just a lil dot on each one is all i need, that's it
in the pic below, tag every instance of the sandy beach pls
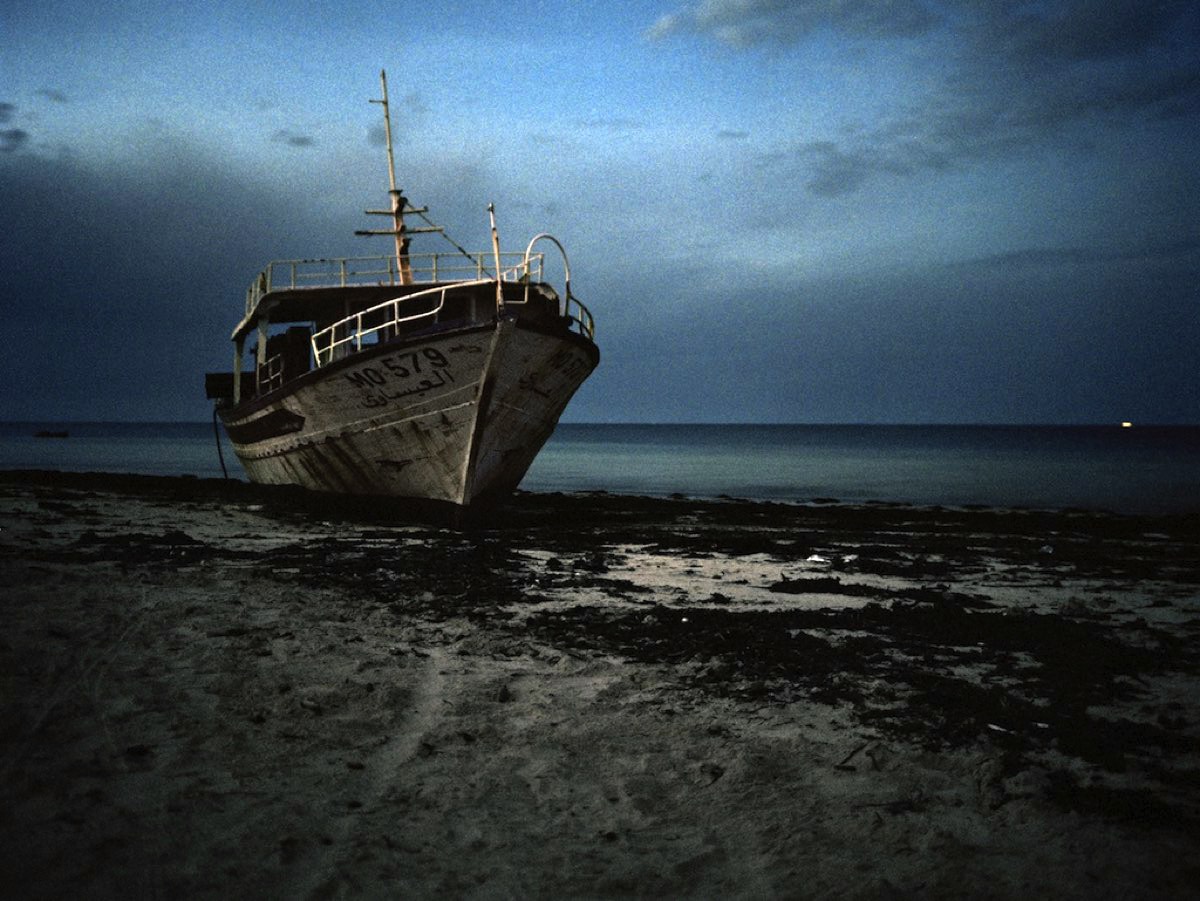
(211, 690)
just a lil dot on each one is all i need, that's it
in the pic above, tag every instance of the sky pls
(825, 211)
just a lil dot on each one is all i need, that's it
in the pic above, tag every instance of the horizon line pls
(695, 423)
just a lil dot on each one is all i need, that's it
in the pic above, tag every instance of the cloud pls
(835, 171)
(156, 276)
(414, 104)
(924, 345)
(748, 23)
(292, 139)
(406, 113)
(6, 112)
(727, 134)
(1081, 29)
(1014, 76)
(832, 169)
(13, 139)
(1183, 250)
(51, 94)
(1158, 95)
(1074, 30)
(1045, 67)
(614, 123)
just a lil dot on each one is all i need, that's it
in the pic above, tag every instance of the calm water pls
(1143, 469)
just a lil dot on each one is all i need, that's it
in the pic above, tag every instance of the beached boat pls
(433, 377)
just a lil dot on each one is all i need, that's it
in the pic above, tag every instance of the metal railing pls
(376, 322)
(379, 318)
(340, 272)
(270, 374)
(579, 318)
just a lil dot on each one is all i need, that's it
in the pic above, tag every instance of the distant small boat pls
(432, 377)
(47, 433)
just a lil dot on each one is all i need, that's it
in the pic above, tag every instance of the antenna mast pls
(399, 206)
(396, 195)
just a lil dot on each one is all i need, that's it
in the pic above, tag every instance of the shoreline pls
(233, 488)
(212, 688)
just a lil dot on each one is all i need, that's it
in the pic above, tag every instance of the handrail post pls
(496, 254)
(566, 264)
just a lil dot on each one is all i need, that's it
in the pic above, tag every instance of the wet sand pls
(211, 690)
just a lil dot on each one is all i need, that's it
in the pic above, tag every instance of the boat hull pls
(452, 418)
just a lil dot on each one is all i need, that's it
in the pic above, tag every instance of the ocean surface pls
(1144, 469)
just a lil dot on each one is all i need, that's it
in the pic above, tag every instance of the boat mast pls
(396, 195)
(399, 205)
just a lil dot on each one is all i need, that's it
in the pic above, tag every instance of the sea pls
(1139, 469)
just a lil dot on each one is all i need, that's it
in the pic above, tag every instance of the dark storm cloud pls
(292, 139)
(746, 23)
(1052, 333)
(835, 171)
(1004, 340)
(1080, 30)
(1016, 76)
(1116, 62)
(1076, 30)
(130, 282)
(1185, 250)
(53, 95)
(969, 129)
(13, 139)
(1163, 95)
(951, 138)
(979, 126)
(832, 169)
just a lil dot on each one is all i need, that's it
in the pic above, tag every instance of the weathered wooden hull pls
(453, 418)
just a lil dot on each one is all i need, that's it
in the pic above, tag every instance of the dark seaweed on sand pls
(928, 663)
